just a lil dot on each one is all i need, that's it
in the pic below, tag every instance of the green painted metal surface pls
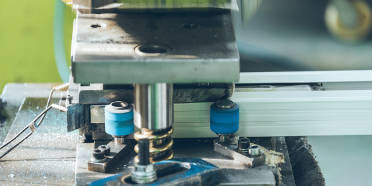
(26, 41)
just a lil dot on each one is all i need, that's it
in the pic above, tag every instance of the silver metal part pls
(99, 94)
(114, 156)
(104, 48)
(225, 104)
(225, 151)
(106, 6)
(254, 150)
(287, 111)
(119, 140)
(142, 174)
(153, 106)
(97, 114)
(118, 107)
(305, 77)
(261, 176)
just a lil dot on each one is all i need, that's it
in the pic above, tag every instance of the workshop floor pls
(344, 160)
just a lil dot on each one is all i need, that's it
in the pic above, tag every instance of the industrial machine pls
(168, 93)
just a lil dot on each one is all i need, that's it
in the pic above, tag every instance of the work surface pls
(48, 157)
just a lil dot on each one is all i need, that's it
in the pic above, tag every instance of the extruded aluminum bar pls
(305, 77)
(286, 113)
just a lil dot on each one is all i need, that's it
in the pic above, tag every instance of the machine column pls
(153, 114)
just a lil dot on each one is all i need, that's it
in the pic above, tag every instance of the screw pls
(143, 171)
(143, 152)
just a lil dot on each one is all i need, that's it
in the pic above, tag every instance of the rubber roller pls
(224, 117)
(119, 119)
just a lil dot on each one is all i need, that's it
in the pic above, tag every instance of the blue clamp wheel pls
(119, 119)
(224, 117)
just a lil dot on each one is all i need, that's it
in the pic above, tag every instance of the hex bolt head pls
(105, 149)
(98, 154)
(254, 150)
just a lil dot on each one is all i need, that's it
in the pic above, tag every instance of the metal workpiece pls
(155, 47)
(153, 106)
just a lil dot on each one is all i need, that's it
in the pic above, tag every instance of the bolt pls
(98, 154)
(254, 150)
(143, 152)
(143, 171)
(105, 149)
(244, 145)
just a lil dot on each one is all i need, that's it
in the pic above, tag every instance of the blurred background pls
(26, 40)
(285, 35)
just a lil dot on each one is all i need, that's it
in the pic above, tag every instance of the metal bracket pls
(120, 154)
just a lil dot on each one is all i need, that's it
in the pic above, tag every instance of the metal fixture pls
(98, 155)
(107, 158)
(110, 51)
(105, 149)
(153, 106)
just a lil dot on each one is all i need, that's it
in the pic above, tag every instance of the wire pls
(39, 117)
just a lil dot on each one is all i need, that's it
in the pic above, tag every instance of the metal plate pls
(141, 5)
(42, 158)
(176, 48)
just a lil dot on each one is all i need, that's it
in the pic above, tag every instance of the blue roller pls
(224, 117)
(119, 119)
